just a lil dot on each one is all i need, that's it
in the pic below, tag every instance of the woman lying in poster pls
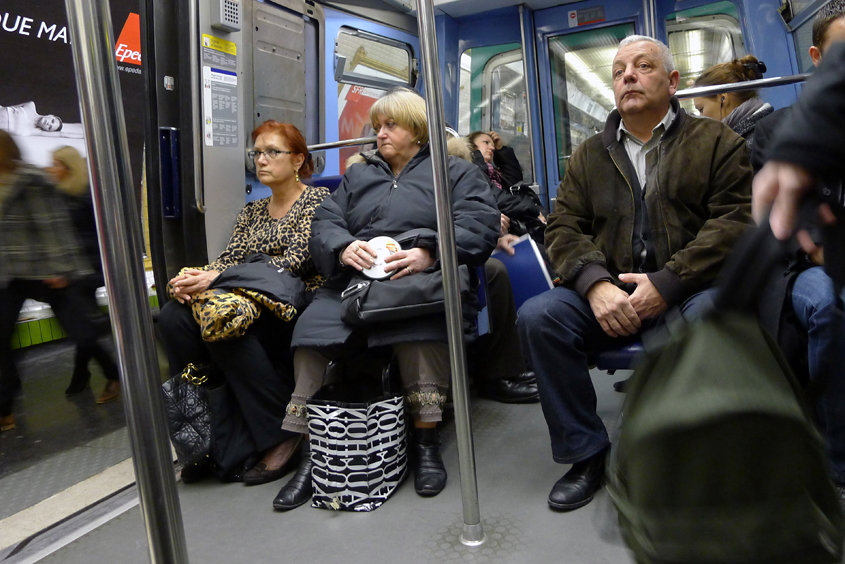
(24, 119)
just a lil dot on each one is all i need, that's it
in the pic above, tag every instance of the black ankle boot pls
(429, 471)
(79, 380)
(298, 490)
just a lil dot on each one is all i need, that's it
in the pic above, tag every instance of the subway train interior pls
(537, 72)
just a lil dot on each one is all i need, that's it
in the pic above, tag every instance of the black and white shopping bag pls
(359, 448)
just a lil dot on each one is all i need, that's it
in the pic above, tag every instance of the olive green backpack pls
(718, 460)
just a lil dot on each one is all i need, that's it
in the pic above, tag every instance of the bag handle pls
(749, 268)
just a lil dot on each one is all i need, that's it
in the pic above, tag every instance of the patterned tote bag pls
(358, 445)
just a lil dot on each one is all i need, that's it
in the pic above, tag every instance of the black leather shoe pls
(298, 489)
(526, 377)
(259, 474)
(511, 390)
(577, 487)
(429, 471)
(196, 472)
(79, 381)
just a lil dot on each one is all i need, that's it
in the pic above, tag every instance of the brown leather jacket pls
(698, 202)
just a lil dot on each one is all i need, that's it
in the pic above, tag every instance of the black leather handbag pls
(365, 302)
(188, 414)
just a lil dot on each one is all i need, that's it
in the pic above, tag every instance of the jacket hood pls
(612, 124)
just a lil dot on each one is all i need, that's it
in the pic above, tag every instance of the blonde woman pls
(390, 193)
(70, 171)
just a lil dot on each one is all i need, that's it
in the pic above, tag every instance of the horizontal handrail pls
(740, 86)
(344, 143)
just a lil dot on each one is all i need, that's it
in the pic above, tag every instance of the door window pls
(702, 37)
(582, 85)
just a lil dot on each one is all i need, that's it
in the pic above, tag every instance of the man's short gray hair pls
(665, 53)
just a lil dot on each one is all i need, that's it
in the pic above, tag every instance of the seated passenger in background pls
(807, 321)
(502, 169)
(685, 210)
(257, 366)
(41, 257)
(741, 111)
(496, 363)
(390, 193)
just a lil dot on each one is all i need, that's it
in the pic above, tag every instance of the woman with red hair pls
(257, 366)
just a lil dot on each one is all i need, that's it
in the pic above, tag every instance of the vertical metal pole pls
(473, 534)
(196, 101)
(118, 226)
(647, 19)
(528, 101)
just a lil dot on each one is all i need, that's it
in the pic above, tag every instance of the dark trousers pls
(84, 354)
(560, 335)
(497, 355)
(77, 312)
(258, 367)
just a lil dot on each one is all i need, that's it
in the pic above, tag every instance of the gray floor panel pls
(234, 523)
(59, 472)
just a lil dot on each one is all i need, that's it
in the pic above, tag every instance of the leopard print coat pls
(284, 239)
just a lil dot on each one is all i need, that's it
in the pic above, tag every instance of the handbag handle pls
(334, 373)
(749, 268)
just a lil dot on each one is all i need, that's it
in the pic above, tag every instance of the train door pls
(575, 50)
(492, 90)
(717, 32)
(365, 60)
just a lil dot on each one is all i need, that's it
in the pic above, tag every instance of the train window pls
(493, 97)
(582, 85)
(702, 37)
(366, 66)
(370, 60)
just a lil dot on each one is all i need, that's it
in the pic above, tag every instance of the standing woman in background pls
(40, 258)
(70, 172)
(738, 110)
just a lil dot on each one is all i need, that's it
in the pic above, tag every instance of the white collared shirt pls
(637, 150)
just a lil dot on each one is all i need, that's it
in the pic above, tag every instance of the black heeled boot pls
(79, 380)
(429, 471)
(298, 489)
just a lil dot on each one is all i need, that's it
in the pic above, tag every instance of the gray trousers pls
(423, 366)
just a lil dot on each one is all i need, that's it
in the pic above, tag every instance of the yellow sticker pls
(218, 44)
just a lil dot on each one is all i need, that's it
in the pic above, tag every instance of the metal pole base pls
(473, 535)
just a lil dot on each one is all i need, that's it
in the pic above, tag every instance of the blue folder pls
(526, 269)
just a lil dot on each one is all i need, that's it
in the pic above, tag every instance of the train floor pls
(63, 443)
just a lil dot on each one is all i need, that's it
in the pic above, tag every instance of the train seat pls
(620, 358)
(330, 182)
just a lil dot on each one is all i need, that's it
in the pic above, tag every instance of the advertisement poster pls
(39, 104)
(354, 103)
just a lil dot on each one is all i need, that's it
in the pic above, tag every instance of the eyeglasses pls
(270, 153)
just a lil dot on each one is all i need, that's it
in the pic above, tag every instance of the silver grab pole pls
(740, 86)
(196, 102)
(528, 103)
(473, 534)
(344, 143)
(119, 232)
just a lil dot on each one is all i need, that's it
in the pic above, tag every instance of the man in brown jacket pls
(644, 218)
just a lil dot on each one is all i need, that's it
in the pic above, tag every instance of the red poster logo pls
(128, 48)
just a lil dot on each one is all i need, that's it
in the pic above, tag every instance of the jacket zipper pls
(630, 189)
(660, 201)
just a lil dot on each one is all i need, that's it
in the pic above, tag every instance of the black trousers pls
(75, 309)
(258, 367)
(498, 355)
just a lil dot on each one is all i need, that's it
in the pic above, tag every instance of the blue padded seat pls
(330, 182)
(621, 358)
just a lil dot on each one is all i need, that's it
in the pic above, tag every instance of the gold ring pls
(408, 268)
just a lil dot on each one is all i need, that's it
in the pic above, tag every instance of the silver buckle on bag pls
(354, 289)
